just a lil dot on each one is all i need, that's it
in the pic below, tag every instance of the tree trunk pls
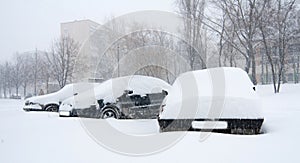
(17, 90)
(25, 89)
(253, 63)
(284, 79)
(274, 78)
(267, 74)
(254, 70)
(268, 53)
(0, 91)
(294, 69)
(262, 78)
(297, 69)
(247, 67)
(9, 91)
(47, 85)
(4, 91)
(279, 82)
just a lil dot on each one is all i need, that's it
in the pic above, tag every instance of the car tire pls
(26, 110)
(51, 108)
(110, 112)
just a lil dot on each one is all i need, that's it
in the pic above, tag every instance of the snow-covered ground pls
(44, 137)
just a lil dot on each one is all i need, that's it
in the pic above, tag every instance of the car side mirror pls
(165, 92)
(100, 103)
(254, 88)
(75, 94)
(130, 92)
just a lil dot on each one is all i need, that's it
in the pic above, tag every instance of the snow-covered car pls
(219, 99)
(133, 96)
(51, 102)
(133, 106)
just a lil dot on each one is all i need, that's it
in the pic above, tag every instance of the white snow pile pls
(212, 93)
(111, 89)
(137, 127)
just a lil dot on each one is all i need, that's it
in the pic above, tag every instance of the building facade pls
(81, 31)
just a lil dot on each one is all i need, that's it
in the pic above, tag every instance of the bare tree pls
(244, 16)
(17, 72)
(276, 28)
(192, 12)
(61, 60)
(44, 72)
(151, 50)
(35, 71)
(266, 31)
(26, 71)
(284, 34)
(228, 46)
(7, 82)
(221, 38)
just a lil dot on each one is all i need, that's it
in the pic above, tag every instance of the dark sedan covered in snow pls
(132, 97)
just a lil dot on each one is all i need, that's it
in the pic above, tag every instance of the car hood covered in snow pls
(212, 93)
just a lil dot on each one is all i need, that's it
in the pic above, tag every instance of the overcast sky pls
(30, 24)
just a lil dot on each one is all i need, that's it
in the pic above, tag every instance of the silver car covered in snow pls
(51, 102)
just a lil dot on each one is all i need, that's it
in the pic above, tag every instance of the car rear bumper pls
(230, 126)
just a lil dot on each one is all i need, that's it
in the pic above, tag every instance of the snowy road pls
(31, 137)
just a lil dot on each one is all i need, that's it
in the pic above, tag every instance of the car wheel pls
(52, 108)
(109, 113)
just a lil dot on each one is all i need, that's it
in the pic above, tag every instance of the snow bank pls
(212, 93)
(139, 127)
